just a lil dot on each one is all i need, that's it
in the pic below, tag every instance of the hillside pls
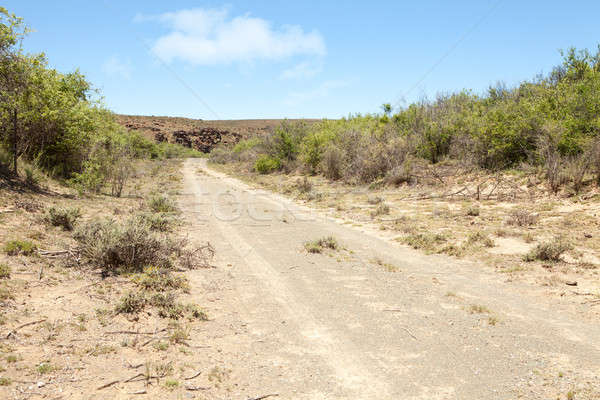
(199, 134)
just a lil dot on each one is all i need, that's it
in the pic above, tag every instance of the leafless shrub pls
(130, 246)
(521, 217)
(333, 163)
(304, 185)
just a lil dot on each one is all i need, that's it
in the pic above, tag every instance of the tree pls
(15, 70)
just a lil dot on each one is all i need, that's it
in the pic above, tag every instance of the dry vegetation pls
(94, 292)
(509, 222)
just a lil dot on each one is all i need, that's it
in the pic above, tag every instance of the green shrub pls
(158, 279)
(157, 221)
(424, 241)
(16, 247)
(162, 204)
(266, 164)
(63, 217)
(130, 303)
(245, 145)
(4, 271)
(130, 246)
(549, 251)
(317, 246)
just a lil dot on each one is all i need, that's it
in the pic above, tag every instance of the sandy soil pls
(375, 320)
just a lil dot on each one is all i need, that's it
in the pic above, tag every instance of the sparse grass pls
(4, 271)
(387, 266)
(161, 346)
(5, 381)
(6, 293)
(16, 247)
(493, 321)
(473, 211)
(478, 309)
(171, 384)
(549, 251)
(11, 358)
(166, 304)
(100, 350)
(317, 246)
(63, 217)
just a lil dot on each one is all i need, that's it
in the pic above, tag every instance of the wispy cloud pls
(212, 36)
(304, 70)
(115, 67)
(323, 90)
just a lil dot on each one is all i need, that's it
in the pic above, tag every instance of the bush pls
(549, 251)
(480, 238)
(382, 209)
(158, 279)
(63, 217)
(130, 303)
(319, 245)
(304, 185)
(4, 271)
(521, 217)
(162, 204)
(157, 221)
(118, 247)
(267, 164)
(16, 247)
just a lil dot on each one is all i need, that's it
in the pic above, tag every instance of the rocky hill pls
(199, 134)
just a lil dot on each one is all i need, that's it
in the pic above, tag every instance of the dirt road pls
(375, 320)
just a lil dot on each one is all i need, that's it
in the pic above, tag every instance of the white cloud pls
(114, 67)
(209, 37)
(303, 70)
(321, 91)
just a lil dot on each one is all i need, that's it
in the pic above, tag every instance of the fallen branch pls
(264, 397)
(133, 377)
(134, 332)
(107, 385)
(23, 326)
(194, 376)
(196, 388)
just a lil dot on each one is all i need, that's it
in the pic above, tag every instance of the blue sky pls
(272, 59)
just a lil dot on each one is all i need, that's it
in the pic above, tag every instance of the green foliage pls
(245, 145)
(63, 217)
(266, 164)
(551, 122)
(16, 247)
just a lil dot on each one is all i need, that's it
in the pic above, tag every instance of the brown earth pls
(202, 135)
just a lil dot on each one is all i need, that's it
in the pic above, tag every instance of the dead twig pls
(194, 376)
(196, 388)
(134, 332)
(133, 377)
(107, 385)
(264, 397)
(12, 332)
